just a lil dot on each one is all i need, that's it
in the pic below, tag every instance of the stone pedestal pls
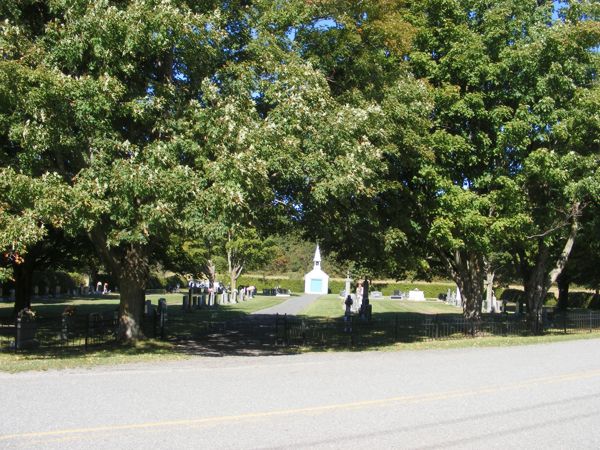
(148, 308)
(25, 337)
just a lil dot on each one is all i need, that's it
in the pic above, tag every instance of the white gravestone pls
(416, 295)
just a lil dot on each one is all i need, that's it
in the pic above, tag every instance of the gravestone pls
(57, 290)
(347, 287)
(185, 303)
(396, 295)
(211, 298)
(25, 337)
(162, 315)
(365, 306)
(416, 295)
(67, 327)
(242, 291)
(234, 295)
(12, 295)
(162, 308)
(376, 294)
(495, 304)
(36, 291)
(148, 309)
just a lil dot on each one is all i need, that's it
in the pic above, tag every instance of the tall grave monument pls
(316, 281)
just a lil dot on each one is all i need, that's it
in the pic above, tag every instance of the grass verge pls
(146, 351)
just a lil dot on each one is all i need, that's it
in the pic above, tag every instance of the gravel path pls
(291, 307)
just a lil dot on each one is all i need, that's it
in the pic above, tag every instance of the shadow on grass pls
(232, 330)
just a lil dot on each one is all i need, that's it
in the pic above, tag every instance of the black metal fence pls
(393, 328)
(82, 333)
(76, 332)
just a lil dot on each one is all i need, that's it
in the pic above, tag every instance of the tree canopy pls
(408, 138)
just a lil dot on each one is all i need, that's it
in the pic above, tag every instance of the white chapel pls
(316, 281)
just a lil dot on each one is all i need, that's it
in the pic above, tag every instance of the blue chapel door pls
(315, 285)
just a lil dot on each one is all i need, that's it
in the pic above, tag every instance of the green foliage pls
(518, 295)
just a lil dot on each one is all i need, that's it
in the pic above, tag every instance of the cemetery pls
(77, 325)
(232, 161)
(363, 315)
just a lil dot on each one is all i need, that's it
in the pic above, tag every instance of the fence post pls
(565, 321)
(303, 329)
(154, 323)
(396, 327)
(437, 330)
(87, 333)
(285, 330)
(590, 321)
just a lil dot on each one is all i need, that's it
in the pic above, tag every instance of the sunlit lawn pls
(407, 306)
(326, 306)
(332, 306)
(87, 305)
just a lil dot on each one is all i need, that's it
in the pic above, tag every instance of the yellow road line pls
(408, 399)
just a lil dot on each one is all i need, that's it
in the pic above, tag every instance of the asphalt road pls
(543, 396)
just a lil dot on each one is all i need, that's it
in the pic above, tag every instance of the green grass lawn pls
(405, 306)
(87, 305)
(326, 306)
(147, 351)
(331, 306)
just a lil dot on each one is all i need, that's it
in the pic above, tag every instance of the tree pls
(555, 151)
(505, 80)
(165, 118)
(245, 251)
(361, 47)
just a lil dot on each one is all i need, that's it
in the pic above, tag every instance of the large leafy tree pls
(170, 117)
(553, 135)
(361, 47)
(92, 93)
(505, 80)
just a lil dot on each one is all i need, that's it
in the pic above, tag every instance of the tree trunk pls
(23, 274)
(235, 270)
(489, 290)
(130, 265)
(234, 274)
(468, 272)
(540, 280)
(563, 282)
(132, 284)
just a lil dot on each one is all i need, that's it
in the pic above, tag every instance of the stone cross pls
(347, 286)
